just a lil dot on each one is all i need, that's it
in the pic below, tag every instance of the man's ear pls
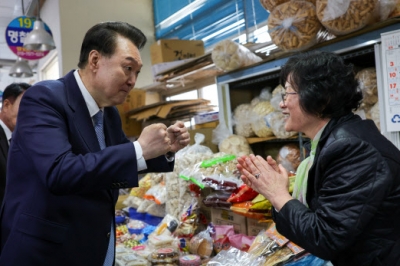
(94, 58)
(6, 104)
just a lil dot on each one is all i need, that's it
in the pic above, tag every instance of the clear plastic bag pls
(219, 173)
(289, 157)
(259, 111)
(294, 26)
(276, 121)
(241, 120)
(345, 16)
(234, 257)
(178, 192)
(229, 55)
(368, 85)
(230, 143)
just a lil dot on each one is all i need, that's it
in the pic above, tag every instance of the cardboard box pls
(135, 99)
(162, 67)
(212, 125)
(226, 217)
(131, 128)
(165, 109)
(254, 227)
(169, 50)
(206, 117)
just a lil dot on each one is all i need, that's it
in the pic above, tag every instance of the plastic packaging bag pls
(241, 194)
(289, 157)
(178, 192)
(345, 16)
(157, 193)
(229, 55)
(259, 111)
(276, 121)
(368, 85)
(242, 120)
(294, 25)
(235, 257)
(230, 143)
(218, 199)
(201, 244)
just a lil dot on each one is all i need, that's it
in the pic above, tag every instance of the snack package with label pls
(221, 237)
(228, 55)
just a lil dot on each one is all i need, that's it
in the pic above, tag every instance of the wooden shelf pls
(253, 140)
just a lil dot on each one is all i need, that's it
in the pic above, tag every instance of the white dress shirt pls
(7, 131)
(94, 108)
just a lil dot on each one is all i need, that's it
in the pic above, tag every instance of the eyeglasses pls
(284, 95)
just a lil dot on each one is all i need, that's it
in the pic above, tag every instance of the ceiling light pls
(39, 39)
(21, 69)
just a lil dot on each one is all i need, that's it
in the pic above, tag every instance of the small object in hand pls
(257, 175)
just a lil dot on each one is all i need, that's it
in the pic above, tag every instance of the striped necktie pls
(99, 128)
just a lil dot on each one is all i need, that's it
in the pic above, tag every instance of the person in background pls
(345, 203)
(12, 95)
(69, 156)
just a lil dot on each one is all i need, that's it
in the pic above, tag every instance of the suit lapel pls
(81, 116)
(3, 143)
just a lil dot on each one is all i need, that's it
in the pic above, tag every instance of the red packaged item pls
(241, 241)
(221, 237)
(243, 193)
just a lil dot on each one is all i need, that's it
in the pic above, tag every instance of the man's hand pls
(179, 136)
(154, 141)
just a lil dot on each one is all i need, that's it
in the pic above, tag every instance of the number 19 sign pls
(16, 32)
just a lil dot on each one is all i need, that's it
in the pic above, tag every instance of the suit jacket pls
(353, 195)
(59, 201)
(3, 162)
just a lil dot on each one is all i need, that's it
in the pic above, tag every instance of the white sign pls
(391, 78)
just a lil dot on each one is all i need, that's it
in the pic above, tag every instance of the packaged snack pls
(228, 55)
(294, 25)
(346, 17)
(221, 237)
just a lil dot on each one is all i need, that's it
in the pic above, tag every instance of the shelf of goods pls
(361, 48)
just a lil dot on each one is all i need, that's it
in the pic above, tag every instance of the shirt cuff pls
(141, 162)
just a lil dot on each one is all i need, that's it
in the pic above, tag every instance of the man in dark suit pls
(12, 95)
(66, 164)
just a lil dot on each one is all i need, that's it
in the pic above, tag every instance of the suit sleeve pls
(354, 183)
(50, 141)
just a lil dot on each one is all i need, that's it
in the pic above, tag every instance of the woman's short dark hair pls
(102, 38)
(326, 85)
(12, 91)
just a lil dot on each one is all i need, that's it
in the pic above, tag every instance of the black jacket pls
(353, 196)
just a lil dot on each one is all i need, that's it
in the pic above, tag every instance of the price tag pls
(391, 78)
(16, 32)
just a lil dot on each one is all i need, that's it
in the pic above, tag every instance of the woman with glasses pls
(345, 206)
